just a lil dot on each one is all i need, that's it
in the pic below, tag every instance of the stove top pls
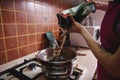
(32, 70)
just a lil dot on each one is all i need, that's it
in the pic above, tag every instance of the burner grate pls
(75, 76)
(19, 73)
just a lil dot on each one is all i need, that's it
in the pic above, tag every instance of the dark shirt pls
(110, 37)
(117, 1)
(117, 24)
(117, 28)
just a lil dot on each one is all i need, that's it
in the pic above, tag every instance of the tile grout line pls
(27, 29)
(6, 57)
(16, 28)
(35, 25)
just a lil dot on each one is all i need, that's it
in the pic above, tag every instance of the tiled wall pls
(23, 24)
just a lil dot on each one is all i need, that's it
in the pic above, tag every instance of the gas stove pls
(31, 70)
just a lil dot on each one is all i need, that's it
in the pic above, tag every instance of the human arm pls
(110, 62)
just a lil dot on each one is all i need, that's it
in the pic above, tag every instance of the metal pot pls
(57, 69)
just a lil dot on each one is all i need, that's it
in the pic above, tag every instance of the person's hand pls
(88, 0)
(77, 27)
(96, 3)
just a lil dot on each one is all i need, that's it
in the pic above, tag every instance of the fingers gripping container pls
(79, 13)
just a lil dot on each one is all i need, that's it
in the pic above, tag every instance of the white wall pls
(97, 17)
(78, 40)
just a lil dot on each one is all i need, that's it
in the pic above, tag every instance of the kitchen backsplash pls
(23, 24)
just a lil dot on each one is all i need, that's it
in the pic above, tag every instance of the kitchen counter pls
(85, 62)
(88, 63)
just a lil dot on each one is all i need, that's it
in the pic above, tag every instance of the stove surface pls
(31, 70)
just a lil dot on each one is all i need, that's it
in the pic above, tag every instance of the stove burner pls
(31, 66)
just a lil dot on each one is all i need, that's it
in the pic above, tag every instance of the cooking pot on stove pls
(57, 69)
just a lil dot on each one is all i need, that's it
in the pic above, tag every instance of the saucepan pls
(57, 69)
